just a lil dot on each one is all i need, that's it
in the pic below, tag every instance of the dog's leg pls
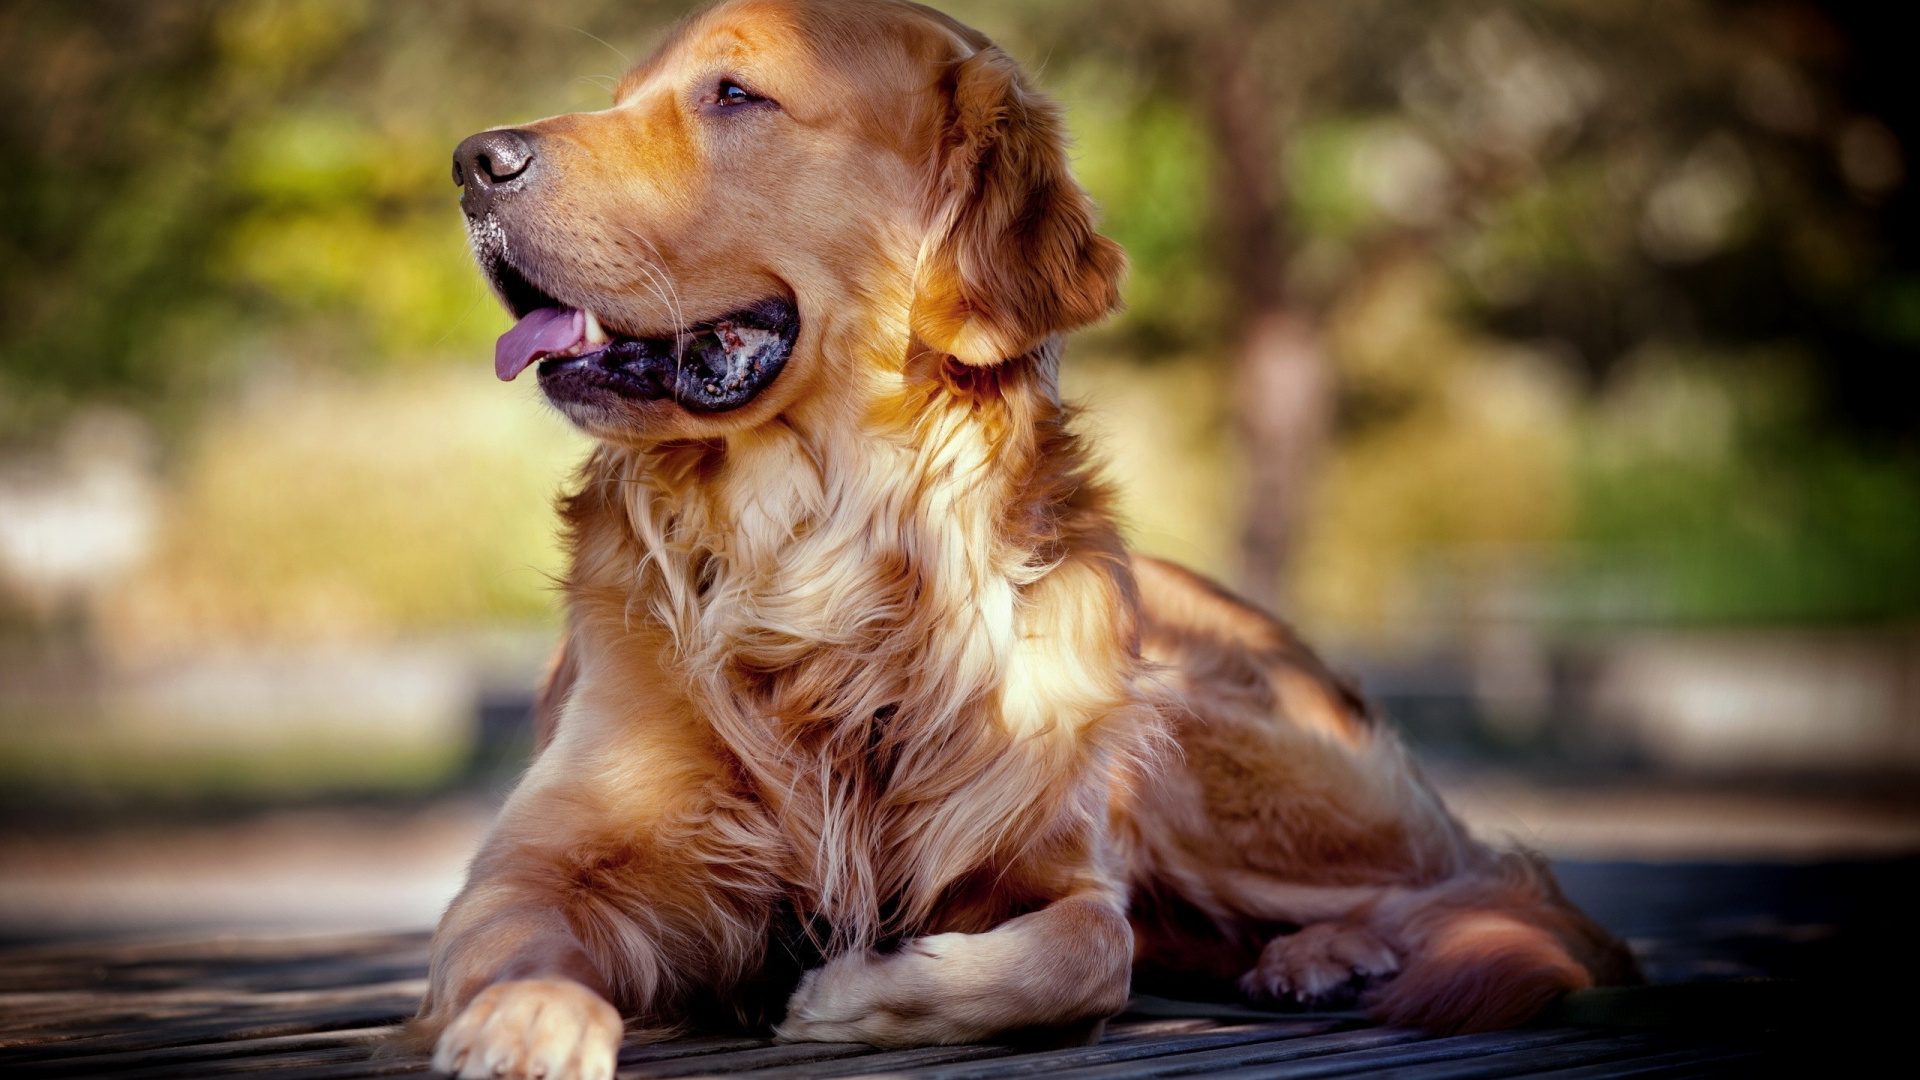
(1487, 948)
(1334, 951)
(1318, 962)
(533, 956)
(514, 994)
(556, 927)
(1056, 973)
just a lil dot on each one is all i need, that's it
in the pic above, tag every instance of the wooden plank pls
(109, 1002)
(1209, 1061)
(1052, 1062)
(252, 1026)
(1712, 1061)
(270, 1052)
(207, 961)
(29, 1012)
(100, 1064)
(356, 1070)
(1147, 1005)
(210, 1025)
(217, 947)
(1429, 1053)
(888, 1060)
(892, 1061)
(71, 1035)
(1521, 1062)
(252, 1066)
(742, 1060)
(1122, 1031)
(679, 1048)
(34, 1027)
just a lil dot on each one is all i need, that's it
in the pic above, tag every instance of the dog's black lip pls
(653, 368)
(681, 367)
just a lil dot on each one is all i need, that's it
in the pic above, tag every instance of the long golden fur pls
(859, 678)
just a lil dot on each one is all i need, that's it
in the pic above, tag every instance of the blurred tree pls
(112, 196)
(1599, 181)
(214, 210)
(197, 187)
(1241, 71)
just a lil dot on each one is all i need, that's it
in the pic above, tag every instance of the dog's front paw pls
(532, 1029)
(1318, 961)
(887, 999)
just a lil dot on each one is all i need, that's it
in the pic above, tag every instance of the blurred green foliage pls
(1687, 231)
(1637, 284)
(202, 187)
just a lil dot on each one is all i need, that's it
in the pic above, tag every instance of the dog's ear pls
(1012, 256)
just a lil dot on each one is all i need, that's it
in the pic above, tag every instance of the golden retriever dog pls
(866, 724)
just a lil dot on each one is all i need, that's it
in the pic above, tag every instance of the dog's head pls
(785, 202)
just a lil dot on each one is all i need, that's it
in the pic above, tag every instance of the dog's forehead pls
(739, 44)
(854, 43)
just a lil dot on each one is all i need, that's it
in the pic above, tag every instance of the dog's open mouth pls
(712, 366)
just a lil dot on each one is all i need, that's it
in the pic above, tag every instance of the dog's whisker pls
(624, 58)
(661, 284)
(657, 265)
(672, 300)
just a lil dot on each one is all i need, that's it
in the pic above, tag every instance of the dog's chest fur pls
(853, 618)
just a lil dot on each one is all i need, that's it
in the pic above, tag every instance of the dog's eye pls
(732, 93)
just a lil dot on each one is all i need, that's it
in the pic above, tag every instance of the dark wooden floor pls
(314, 1008)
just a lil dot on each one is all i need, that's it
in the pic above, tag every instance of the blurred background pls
(1551, 364)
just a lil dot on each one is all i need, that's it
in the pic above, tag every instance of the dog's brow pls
(669, 39)
(725, 41)
(635, 77)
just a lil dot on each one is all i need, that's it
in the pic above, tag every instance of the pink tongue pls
(542, 333)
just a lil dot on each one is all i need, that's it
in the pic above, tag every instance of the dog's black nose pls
(486, 161)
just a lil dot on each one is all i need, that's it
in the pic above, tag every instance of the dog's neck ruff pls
(844, 607)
